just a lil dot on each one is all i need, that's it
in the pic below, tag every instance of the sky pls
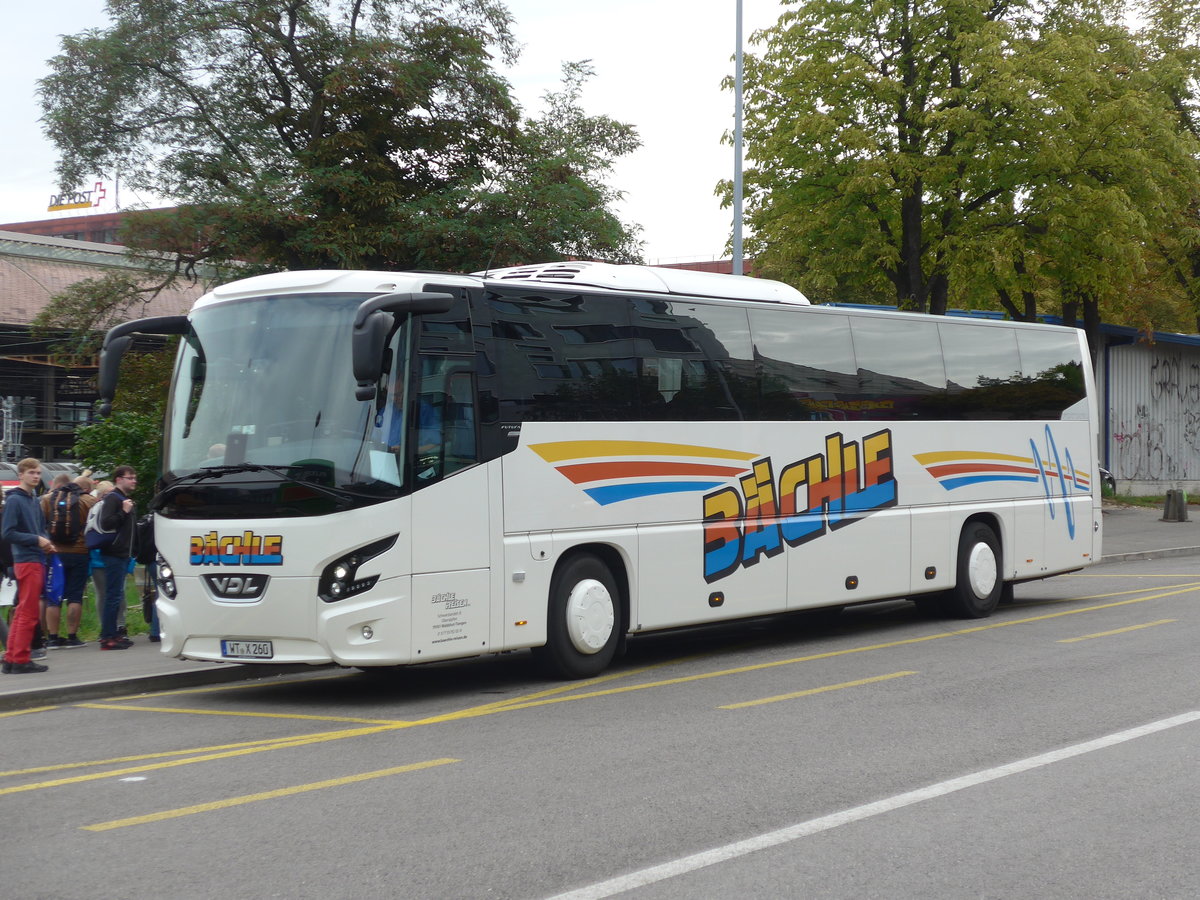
(659, 66)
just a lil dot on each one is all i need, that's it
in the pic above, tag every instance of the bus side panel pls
(676, 592)
(450, 615)
(525, 581)
(932, 550)
(1025, 547)
(451, 524)
(451, 557)
(857, 558)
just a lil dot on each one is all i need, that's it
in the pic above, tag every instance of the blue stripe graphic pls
(952, 483)
(615, 493)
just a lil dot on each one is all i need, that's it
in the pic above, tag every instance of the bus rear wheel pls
(584, 622)
(980, 581)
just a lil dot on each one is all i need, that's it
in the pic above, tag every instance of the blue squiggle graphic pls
(1052, 451)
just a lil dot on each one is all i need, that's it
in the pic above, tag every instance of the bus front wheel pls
(584, 619)
(980, 581)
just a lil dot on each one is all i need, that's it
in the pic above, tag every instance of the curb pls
(1151, 554)
(94, 690)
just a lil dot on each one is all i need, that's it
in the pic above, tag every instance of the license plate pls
(247, 649)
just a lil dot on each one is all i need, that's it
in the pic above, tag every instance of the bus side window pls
(458, 422)
(445, 433)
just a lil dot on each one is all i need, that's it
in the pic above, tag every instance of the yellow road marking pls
(21, 712)
(1190, 584)
(1147, 575)
(255, 715)
(820, 690)
(831, 654)
(1099, 634)
(204, 757)
(551, 696)
(264, 795)
(162, 754)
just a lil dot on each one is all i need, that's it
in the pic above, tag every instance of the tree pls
(878, 133)
(1105, 171)
(334, 133)
(127, 438)
(1171, 37)
(133, 435)
(962, 150)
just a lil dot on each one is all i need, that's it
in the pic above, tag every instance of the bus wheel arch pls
(587, 611)
(979, 576)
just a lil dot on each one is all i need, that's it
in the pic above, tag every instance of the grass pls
(89, 621)
(1154, 502)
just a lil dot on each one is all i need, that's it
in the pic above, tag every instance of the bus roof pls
(585, 275)
(649, 279)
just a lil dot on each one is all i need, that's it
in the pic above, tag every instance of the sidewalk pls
(1138, 532)
(87, 673)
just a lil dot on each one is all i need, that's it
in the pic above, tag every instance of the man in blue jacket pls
(117, 517)
(24, 527)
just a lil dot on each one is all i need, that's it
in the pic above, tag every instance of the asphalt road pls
(1052, 750)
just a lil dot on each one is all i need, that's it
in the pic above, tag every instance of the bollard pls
(1175, 507)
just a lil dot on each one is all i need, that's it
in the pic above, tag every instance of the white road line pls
(716, 855)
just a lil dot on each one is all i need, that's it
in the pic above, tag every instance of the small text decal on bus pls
(823, 492)
(245, 549)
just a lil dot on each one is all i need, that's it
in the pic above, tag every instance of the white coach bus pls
(377, 468)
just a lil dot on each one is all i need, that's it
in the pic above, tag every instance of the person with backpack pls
(66, 508)
(111, 530)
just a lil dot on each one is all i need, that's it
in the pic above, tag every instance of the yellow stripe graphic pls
(557, 451)
(958, 456)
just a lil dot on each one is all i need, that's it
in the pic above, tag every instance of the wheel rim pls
(590, 616)
(982, 570)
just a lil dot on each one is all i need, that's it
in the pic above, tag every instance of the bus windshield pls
(266, 386)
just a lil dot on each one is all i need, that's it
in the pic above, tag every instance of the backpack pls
(65, 521)
(94, 536)
(143, 540)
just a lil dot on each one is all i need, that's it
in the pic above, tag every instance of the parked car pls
(1107, 480)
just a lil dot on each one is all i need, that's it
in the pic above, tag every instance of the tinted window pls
(983, 371)
(1052, 369)
(806, 364)
(697, 361)
(900, 369)
(563, 357)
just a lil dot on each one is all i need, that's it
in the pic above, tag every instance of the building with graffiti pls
(1150, 417)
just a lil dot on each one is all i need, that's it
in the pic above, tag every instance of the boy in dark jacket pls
(117, 517)
(24, 527)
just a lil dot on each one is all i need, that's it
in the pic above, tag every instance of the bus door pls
(451, 528)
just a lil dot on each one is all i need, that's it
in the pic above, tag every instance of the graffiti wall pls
(1153, 417)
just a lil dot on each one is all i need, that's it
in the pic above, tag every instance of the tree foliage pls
(133, 435)
(129, 438)
(923, 152)
(335, 134)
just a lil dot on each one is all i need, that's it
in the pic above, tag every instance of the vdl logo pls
(237, 587)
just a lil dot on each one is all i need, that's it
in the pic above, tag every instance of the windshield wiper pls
(283, 473)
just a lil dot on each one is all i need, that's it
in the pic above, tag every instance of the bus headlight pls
(340, 578)
(164, 576)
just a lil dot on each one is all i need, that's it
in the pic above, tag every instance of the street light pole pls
(737, 147)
